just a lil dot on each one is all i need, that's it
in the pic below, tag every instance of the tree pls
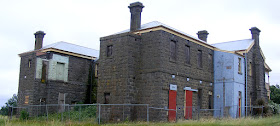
(12, 102)
(275, 94)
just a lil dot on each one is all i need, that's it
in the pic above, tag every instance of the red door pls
(172, 105)
(239, 104)
(188, 105)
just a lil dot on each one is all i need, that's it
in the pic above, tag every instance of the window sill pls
(240, 73)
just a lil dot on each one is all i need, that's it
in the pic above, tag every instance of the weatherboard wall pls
(228, 83)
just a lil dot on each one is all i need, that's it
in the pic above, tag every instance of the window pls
(199, 58)
(44, 71)
(26, 100)
(61, 101)
(199, 93)
(109, 50)
(173, 50)
(29, 63)
(42, 100)
(187, 54)
(107, 98)
(60, 71)
(210, 100)
(250, 69)
(210, 61)
(239, 65)
(96, 70)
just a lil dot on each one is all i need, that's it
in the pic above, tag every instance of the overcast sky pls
(83, 22)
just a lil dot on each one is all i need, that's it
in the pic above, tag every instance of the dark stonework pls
(39, 35)
(256, 82)
(140, 71)
(202, 35)
(135, 10)
(75, 87)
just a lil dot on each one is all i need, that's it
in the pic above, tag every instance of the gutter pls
(246, 82)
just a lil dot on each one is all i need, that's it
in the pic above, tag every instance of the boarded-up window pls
(172, 50)
(187, 54)
(61, 101)
(239, 65)
(96, 70)
(210, 62)
(44, 71)
(199, 93)
(250, 69)
(60, 71)
(109, 50)
(29, 63)
(199, 58)
(107, 98)
(26, 100)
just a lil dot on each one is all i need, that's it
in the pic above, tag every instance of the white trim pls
(190, 89)
(173, 87)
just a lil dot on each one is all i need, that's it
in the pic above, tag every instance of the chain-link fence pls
(104, 113)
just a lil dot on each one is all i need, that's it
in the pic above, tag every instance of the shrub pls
(274, 107)
(24, 115)
(266, 109)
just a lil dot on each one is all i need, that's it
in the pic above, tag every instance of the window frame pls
(26, 99)
(187, 54)
(210, 61)
(109, 50)
(63, 68)
(239, 65)
(199, 59)
(173, 50)
(250, 69)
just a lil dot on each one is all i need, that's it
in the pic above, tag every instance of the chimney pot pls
(39, 36)
(135, 10)
(202, 35)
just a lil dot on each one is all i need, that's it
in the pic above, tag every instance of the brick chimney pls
(255, 34)
(202, 35)
(135, 10)
(39, 35)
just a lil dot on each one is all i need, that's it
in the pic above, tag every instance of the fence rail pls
(102, 113)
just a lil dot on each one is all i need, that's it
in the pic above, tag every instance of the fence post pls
(79, 112)
(11, 112)
(68, 113)
(198, 111)
(252, 109)
(176, 113)
(62, 112)
(148, 113)
(262, 111)
(47, 112)
(123, 112)
(99, 109)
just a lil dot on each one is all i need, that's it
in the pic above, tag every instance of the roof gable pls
(69, 49)
(155, 25)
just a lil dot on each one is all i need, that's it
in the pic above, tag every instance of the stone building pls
(55, 74)
(138, 66)
(152, 64)
(158, 65)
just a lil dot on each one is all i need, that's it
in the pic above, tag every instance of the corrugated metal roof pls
(65, 46)
(234, 45)
(156, 24)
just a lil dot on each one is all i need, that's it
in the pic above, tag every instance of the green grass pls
(269, 121)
